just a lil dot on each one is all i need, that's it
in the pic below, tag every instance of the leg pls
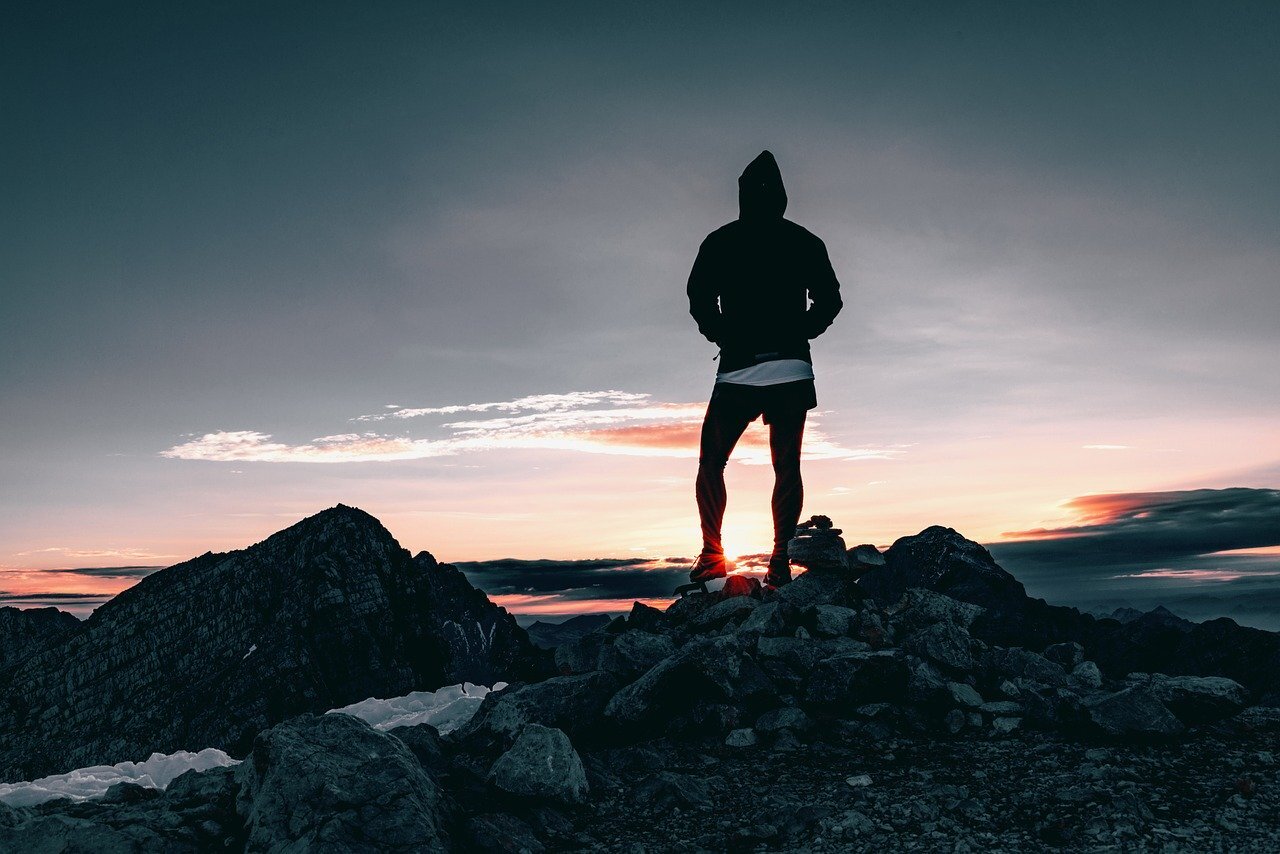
(786, 433)
(721, 428)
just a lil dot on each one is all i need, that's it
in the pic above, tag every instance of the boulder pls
(787, 717)
(1066, 655)
(645, 618)
(423, 741)
(822, 587)
(944, 643)
(582, 654)
(740, 738)
(541, 765)
(634, 652)
(1016, 663)
(843, 682)
(1087, 675)
(741, 585)
(574, 704)
(714, 669)
(1195, 699)
(1134, 711)
(919, 607)
(333, 783)
(831, 621)
(943, 561)
(864, 557)
(964, 695)
(768, 620)
(503, 832)
(730, 609)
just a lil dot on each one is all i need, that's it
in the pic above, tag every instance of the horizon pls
(431, 263)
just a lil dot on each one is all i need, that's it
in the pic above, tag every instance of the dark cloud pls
(572, 580)
(112, 571)
(1145, 528)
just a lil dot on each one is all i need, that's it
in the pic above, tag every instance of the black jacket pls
(753, 279)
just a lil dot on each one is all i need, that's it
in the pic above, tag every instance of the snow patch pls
(445, 709)
(83, 783)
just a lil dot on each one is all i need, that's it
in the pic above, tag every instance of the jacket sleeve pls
(824, 291)
(704, 295)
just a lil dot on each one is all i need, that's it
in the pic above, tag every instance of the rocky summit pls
(900, 701)
(210, 652)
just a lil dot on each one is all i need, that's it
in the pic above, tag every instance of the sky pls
(429, 260)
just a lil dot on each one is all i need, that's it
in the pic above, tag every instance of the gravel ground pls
(1214, 791)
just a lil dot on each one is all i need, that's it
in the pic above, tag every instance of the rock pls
(1001, 707)
(818, 548)
(1134, 711)
(944, 643)
(24, 631)
(859, 781)
(787, 717)
(1018, 663)
(645, 618)
(741, 585)
(832, 620)
(541, 765)
(1195, 699)
(766, 620)
(1005, 725)
(322, 783)
(715, 669)
(333, 609)
(734, 608)
(582, 655)
(634, 652)
(964, 695)
(784, 740)
(847, 681)
(925, 686)
(953, 721)
(864, 557)
(1066, 655)
(1087, 674)
(822, 587)
(497, 831)
(423, 741)
(919, 607)
(574, 704)
(741, 738)
(943, 561)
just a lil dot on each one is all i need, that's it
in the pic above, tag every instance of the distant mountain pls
(210, 652)
(552, 635)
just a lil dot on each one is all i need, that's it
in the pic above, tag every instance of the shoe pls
(707, 567)
(779, 571)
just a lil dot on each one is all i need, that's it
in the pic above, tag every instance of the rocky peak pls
(943, 560)
(23, 631)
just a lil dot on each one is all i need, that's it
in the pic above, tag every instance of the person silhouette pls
(761, 288)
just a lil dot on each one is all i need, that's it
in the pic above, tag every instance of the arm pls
(704, 296)
(824, 291)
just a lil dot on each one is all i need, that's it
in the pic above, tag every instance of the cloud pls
(577, 581)
(599, 422)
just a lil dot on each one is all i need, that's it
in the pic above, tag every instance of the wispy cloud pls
(600, 422)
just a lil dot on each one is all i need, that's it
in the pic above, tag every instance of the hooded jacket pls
(753, 280)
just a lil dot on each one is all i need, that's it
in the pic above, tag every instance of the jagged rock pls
(1134, 711)
(919, 607)
(646, 618)
(740, 738)
(209, 652)
(731, 609)
(787, 717)
(964, 695)
(944, 643)
(846, 681)
(24, 631)
(423, 741)
(542, 764)
(943, 561)
(715, 669)
(333, 783)
(582, 654)
(1066, 655)
(865, 556)
(573, 704)
(822, 587)
(1018, 663)
(768, 620)
(503, 832)
(831, 620)
(634, 652)
(741, 585)
(1195, 699)
(1087, 674)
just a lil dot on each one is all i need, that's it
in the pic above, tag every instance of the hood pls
(760, 191)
